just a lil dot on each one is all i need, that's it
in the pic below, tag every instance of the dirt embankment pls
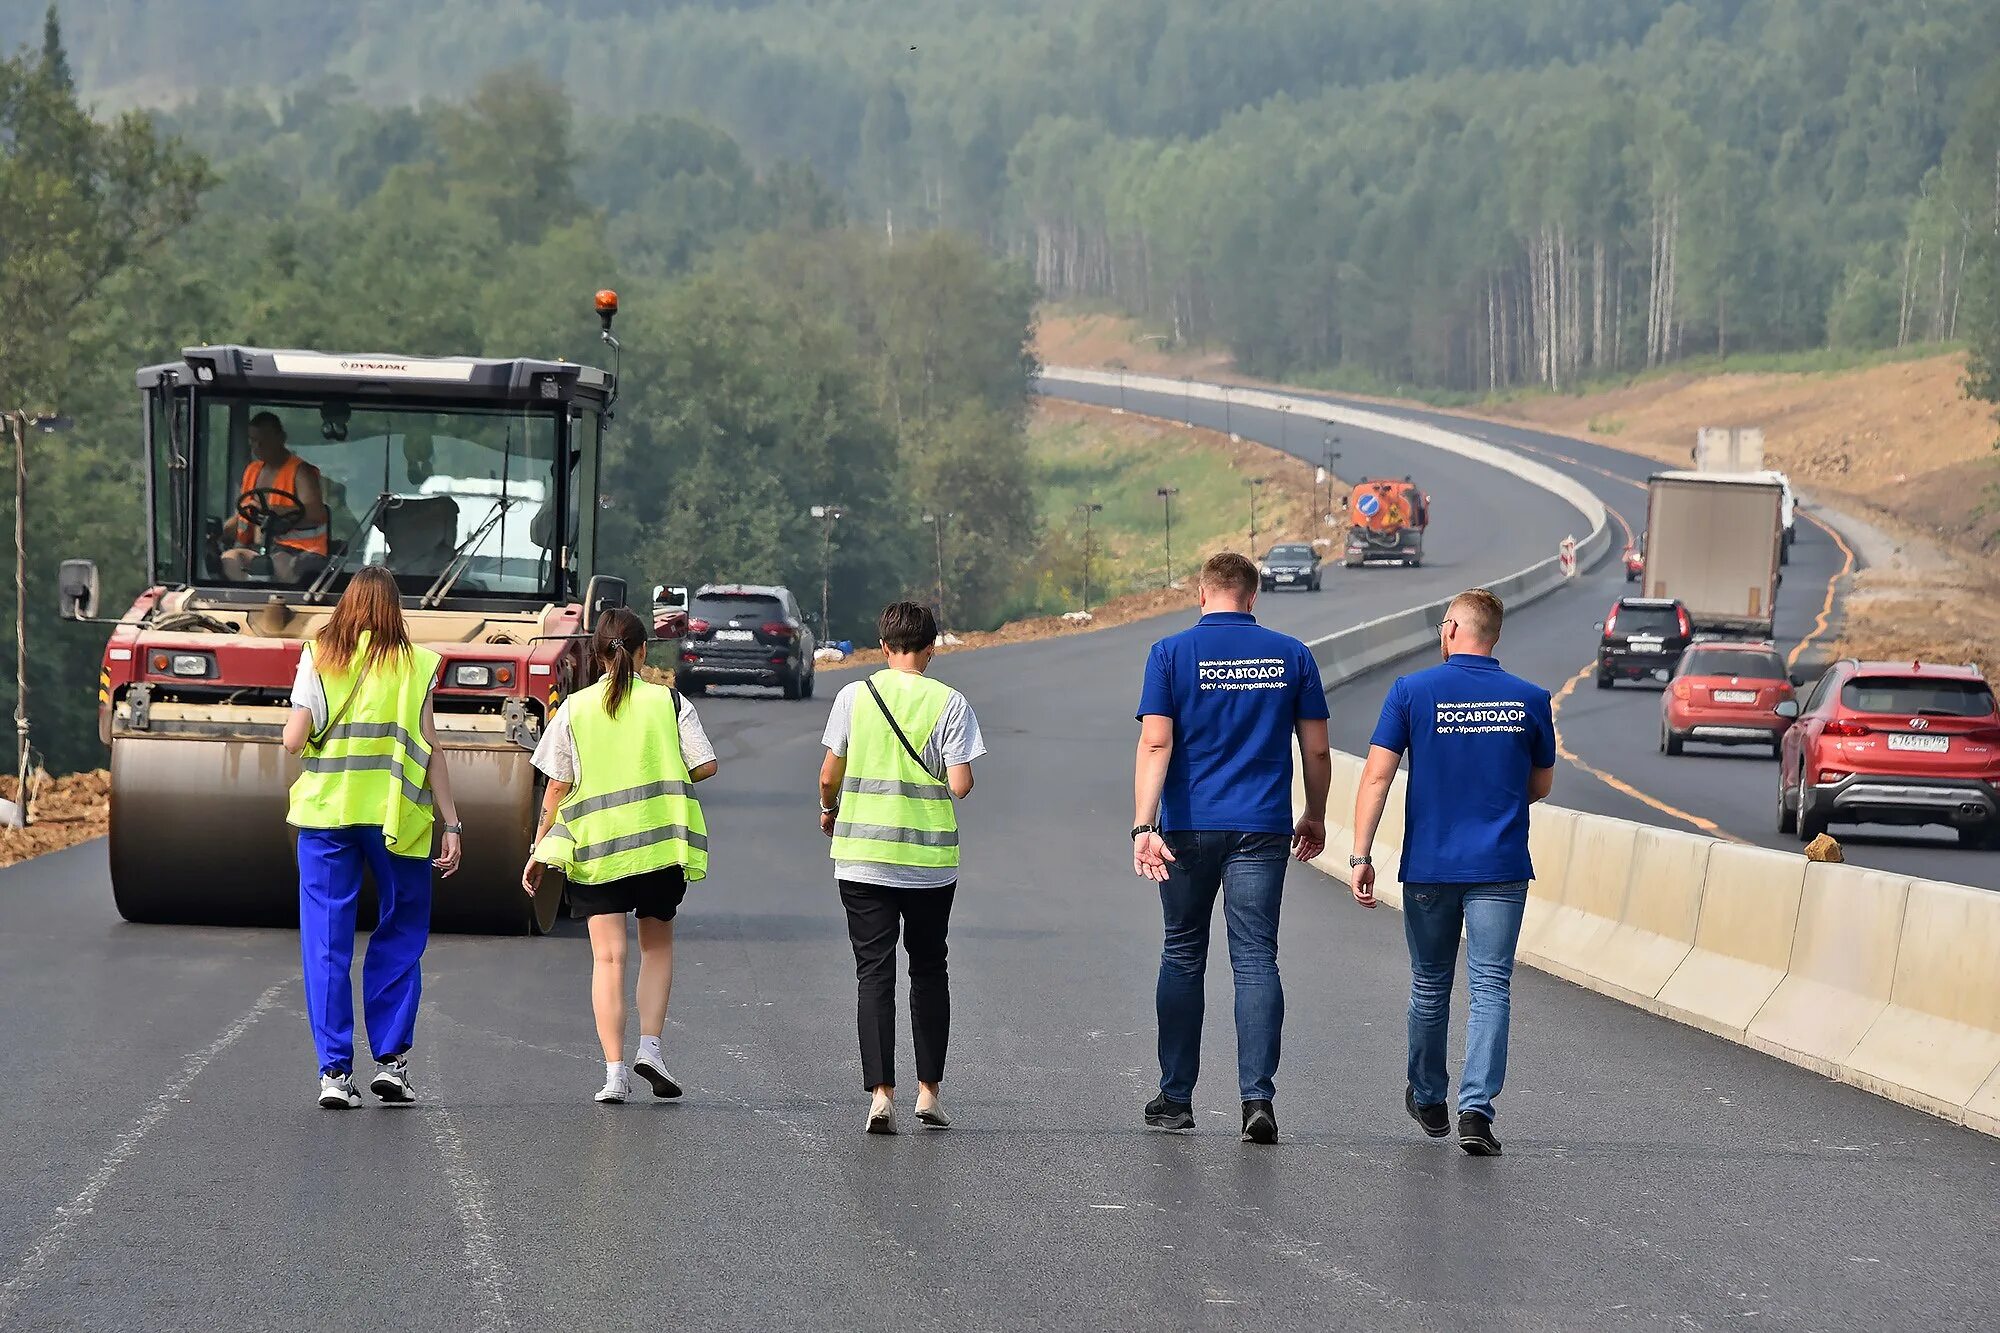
(65, 811)
(1116, 342)
(1898, 446)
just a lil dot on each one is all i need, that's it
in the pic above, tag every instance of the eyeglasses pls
(1446, 624)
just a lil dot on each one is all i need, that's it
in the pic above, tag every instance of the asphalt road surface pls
(167, 1168)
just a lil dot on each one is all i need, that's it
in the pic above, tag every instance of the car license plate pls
(734, 636)
(1642, 645)
(1736, 696)
(1927, 744)
(1284, 578)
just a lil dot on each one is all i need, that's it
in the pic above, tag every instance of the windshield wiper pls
(335, 566)
(461, 558)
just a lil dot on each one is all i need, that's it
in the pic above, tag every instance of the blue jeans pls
(1432, 915)
(1248, 869)
(331, 862)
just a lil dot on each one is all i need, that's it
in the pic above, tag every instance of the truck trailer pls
(1713, 543)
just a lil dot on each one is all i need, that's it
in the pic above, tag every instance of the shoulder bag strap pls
(318, 738)
(897, 728)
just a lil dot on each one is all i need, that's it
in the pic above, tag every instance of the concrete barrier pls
(1594, 886)
(1551, 831)
(1938, 1041)
(1843, 964)
(1655, 931)
(1742, 941)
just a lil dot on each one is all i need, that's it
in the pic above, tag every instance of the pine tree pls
(55, 60)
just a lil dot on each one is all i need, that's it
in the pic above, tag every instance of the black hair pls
(907, 627)
(614, 651)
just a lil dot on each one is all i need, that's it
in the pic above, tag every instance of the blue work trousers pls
(1432, 917)
(1248, 870)
(331, 862)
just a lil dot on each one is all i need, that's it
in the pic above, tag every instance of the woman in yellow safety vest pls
(373, 779)
(621, 822)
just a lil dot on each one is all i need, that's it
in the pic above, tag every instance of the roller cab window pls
(465, 495)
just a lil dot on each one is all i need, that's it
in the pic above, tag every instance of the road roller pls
(272, 475)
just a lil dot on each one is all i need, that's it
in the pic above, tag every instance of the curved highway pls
(166, 1166)
(1611, 763)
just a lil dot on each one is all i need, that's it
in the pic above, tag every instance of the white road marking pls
(71, 1216)
(469, 1195)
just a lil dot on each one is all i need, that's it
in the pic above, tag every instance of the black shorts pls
(654, 893)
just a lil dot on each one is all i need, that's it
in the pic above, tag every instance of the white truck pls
(1713, 543)
(1739, 451)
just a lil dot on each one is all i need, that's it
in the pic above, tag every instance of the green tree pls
(508, 153)
(86, 203)
(55, 60)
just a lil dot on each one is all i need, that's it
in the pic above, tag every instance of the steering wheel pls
(257, 509)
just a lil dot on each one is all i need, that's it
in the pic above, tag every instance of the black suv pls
(746, 634)
(1642, 637)
(1292, 565)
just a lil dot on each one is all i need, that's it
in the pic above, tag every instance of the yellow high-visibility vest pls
(631, 809)
(892, 811)
(372, 767)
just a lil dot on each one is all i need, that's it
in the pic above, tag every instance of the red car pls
(1725, 693)
(1635, 562)
(1906, 743)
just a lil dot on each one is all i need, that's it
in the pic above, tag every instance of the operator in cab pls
(281, 485)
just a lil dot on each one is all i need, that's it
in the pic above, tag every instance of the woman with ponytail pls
(373, 788)
(621, 822)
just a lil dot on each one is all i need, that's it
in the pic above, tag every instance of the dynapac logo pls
(374, 367)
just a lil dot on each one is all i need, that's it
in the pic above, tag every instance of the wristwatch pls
(1145, 828)
(454, 828)
(1354, 861)
(829, 809)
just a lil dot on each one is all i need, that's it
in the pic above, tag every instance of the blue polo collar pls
(1228, 618)
(1474, 660)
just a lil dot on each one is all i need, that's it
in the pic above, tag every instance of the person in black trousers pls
(899, 756)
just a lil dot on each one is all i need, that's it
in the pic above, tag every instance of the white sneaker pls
(338, 1093)
(392, 1082)
(614, 1090)
(649, 1068)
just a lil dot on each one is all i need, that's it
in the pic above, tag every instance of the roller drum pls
(198, 837)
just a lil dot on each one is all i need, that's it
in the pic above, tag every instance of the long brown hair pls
(614, 649)
(373, 603)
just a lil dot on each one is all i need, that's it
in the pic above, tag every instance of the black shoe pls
(1475, 1135)
(1435, 1118)
(1163, 1112)
(1260, 1123)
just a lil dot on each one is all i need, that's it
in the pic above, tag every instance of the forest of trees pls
(1451, 193)
(774, 358)
(832, 220)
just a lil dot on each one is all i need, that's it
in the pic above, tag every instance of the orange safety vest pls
(313, 541)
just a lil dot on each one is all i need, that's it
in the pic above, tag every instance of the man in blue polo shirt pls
(1482, 747)
(1221, 706)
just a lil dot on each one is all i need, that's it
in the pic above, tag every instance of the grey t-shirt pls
(954, 740)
